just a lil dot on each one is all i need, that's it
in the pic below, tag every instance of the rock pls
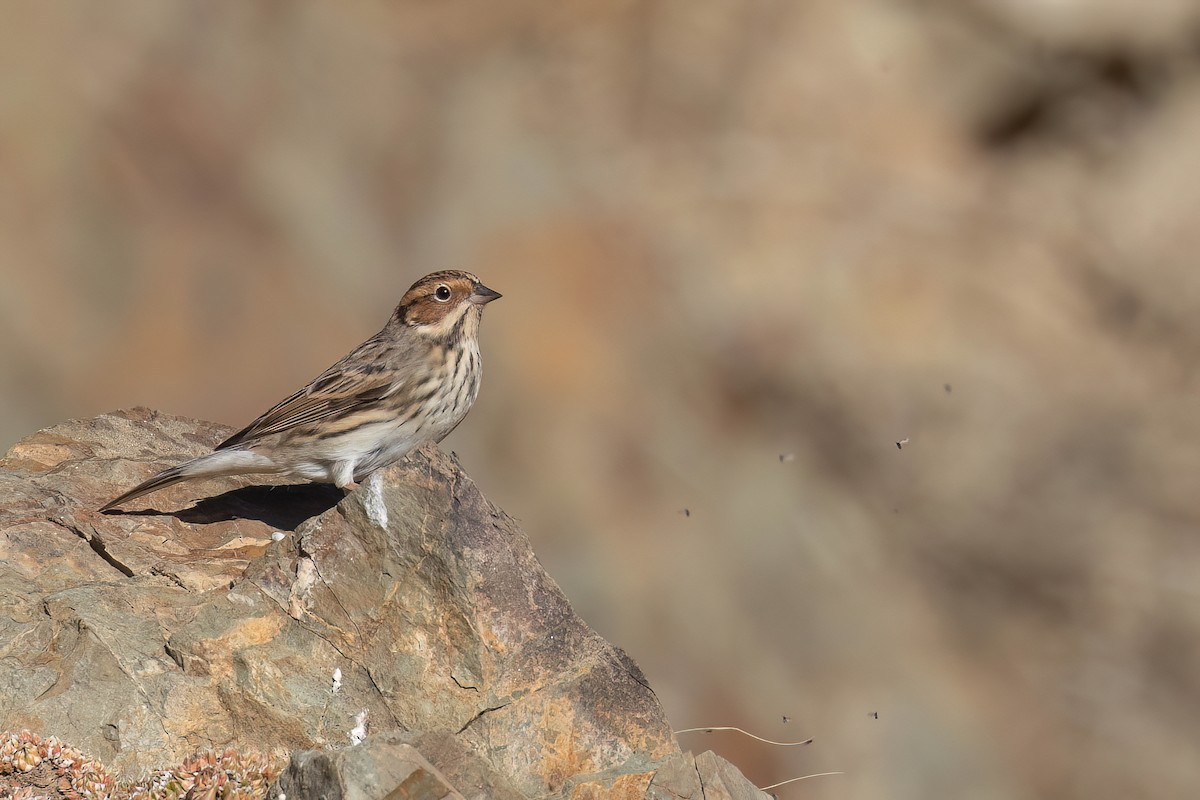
(380, 768)
(706, 775)
(393, 765)
(411, 608)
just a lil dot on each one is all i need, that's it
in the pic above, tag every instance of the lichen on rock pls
(32, 767)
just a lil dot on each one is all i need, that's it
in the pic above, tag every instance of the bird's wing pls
(356, 383)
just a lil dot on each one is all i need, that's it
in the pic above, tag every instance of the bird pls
(411, 383)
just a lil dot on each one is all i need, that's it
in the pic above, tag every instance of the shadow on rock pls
(281, 507)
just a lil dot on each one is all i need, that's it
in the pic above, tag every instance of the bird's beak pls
(482, 295)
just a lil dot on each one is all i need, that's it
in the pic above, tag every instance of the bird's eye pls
(442, 293)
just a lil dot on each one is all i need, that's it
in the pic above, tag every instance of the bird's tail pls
(211, 465)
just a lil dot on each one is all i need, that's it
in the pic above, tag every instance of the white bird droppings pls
(373, 500)
(359, 731)
(306, 578)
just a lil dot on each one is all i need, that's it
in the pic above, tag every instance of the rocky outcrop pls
(282, 619)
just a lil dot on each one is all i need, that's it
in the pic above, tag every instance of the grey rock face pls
(410, 606)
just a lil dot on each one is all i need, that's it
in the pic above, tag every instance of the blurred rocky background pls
(746, 248)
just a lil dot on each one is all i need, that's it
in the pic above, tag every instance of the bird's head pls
(442, 303)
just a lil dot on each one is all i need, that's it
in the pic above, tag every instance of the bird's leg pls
(343, 475)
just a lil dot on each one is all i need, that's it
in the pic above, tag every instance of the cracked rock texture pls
(181, 624)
